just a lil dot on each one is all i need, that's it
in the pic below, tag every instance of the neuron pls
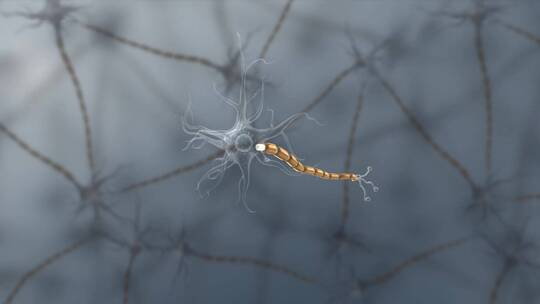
(245, 142)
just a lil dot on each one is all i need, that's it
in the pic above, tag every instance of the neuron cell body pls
(238, 142)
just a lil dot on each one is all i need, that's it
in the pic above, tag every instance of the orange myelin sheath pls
(291, 160)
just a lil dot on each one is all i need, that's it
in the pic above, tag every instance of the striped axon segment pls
(291, 160)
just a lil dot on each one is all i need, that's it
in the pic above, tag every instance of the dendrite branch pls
(339, 77)
(494, 293)
(350, 147)
(127, 274)
(152, 50)
(173, 173)
(37, 155)
(80, 97)
(520, 31)
(387, 276)
(250, 261)
(425, 135)
(525, 198)
(41, 266)
(276, 28)
(488, 102)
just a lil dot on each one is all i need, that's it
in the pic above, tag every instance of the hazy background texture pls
(427, 54)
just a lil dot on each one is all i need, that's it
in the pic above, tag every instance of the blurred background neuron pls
(99, 200)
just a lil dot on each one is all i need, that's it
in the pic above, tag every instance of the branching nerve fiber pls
(291, 160)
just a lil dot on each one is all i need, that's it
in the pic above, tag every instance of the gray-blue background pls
(136, 101)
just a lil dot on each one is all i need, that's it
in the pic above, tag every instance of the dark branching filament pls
(54, 13)
(43, 265)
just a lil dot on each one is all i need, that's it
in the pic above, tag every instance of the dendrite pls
(413, 260)
(92, 194)
(519, 31)
(44, 264)
(135, 248)
(477, 17)
(527, 198)
(354, 290)
(347, 166)
(276, 28)
(515, 252)
(185, 250)
(55, 13)
(249, 261)
(228, 70)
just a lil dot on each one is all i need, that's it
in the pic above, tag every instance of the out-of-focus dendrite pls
(484, 198)
(229, 70)
(333, 84)
(180, 246)
(135, 247)
(98, 196)
(519, 31)
(41, 157)
(170, 174)
(516, 252)
(43, 265)
(33, 95)
(347, 290)
(91, 195)
(358, 63)
(276, 29)
(354, 290)
(55, 13)
(482, 11)
(341, 237)
(527, 198)
(249, 261)
(189, 251)
(348, 158)
(396, 270)
(150, 49)
(477, 17)
(291, 160)
(491, 200)
(415, 122)
(488, 198)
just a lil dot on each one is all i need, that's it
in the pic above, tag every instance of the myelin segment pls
(284, 155)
